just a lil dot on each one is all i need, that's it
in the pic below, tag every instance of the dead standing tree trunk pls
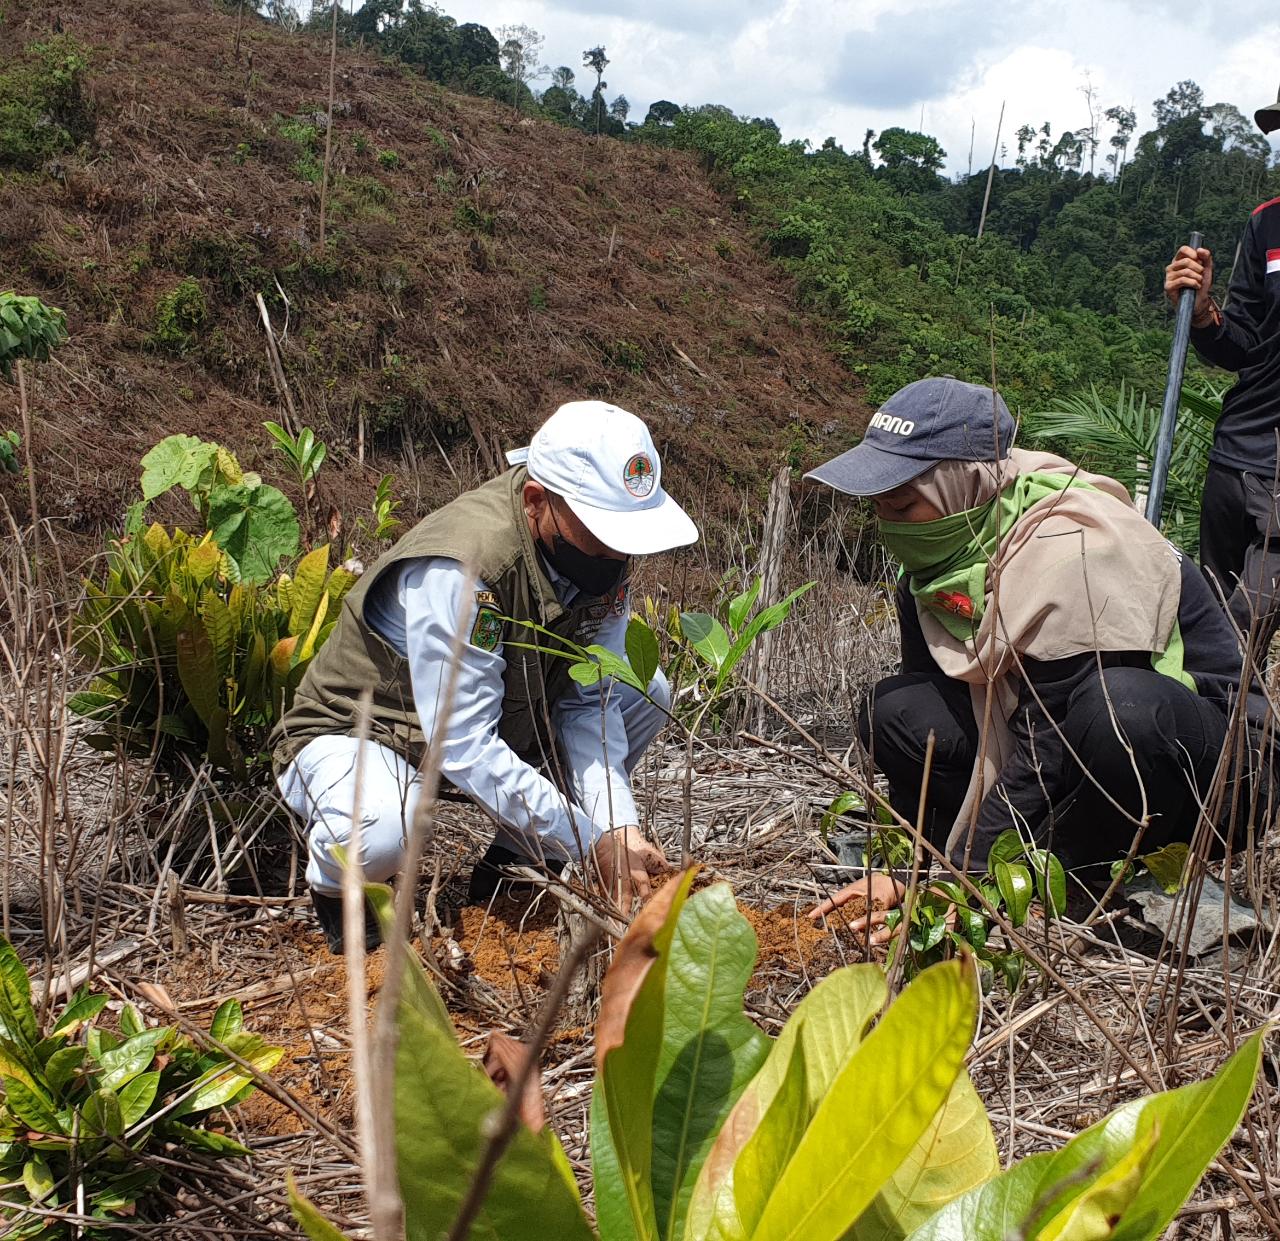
(773, 543)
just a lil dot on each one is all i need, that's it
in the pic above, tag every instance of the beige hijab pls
(1082, 570)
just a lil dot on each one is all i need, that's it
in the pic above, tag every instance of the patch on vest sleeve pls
(486, 596)
(486, 633)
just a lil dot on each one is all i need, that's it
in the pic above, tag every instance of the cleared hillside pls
(478, 269)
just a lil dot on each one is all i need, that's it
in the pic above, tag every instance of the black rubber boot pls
(488, 880)
(329, 915)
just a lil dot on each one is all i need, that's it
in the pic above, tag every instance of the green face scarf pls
(948, 559)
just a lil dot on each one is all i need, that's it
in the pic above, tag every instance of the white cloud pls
(821, 67)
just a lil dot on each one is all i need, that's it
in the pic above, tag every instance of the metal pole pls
(1172, 394)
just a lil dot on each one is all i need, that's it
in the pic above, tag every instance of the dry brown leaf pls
(504, 1061)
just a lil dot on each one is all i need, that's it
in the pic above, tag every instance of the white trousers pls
(320, 787)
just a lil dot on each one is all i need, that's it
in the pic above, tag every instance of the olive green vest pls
(486, 529)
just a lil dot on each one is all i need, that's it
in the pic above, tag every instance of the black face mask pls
(596, 576)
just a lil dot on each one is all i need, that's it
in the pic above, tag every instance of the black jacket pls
(1038, 764)
(1248, 341)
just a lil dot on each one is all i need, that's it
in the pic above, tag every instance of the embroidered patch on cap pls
(486, 633)
(638, 476)
(954, 602)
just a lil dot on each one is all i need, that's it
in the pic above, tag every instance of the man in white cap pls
(549, 542)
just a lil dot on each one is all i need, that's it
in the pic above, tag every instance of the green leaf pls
(1167, 865)
(765, 1145)
(83, 1008)
(255, 526)
(228, 1020)
(613, 665)
(137, 1097)
(629, 1044)
(443, 1107)
(130, 1021)
(61, 1069)
(710, 1049)
(207, 1140)
(587, 673)
(309, 1218)
(1014, 882)
(37, 1178)
(101, 1114)
(830, 1021)
(198, 671)
(1192, 1125)
(707, 636)
(896, 1080)
(741, 605)
(1051, 881)
(642, 651)
(1094, 1213)
(1007, 848)
(226, 1079)
(763, 621)
(17, 1018)
(176, 461)
(956, 1153)
(839, 806)
(308, 587)
(32, 1106)
(122, 1064)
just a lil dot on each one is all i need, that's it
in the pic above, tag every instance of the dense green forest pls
(1064, 281)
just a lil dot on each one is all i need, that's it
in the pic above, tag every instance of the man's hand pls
(1191, 269)
(875, 889)
(627, 863)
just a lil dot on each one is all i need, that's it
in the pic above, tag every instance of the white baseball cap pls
(601, 461)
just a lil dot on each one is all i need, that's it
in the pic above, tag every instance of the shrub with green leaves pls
(857, 1122)
(43, 107)
(191, 659)
(28, 330)
(9, 442)
(179, 315)
(85, 1109)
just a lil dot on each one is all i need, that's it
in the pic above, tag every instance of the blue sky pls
(838, 67)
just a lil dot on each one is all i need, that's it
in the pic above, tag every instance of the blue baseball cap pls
(928, 421)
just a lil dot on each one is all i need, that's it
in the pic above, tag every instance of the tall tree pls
(519, 47)
(562, 77)
(1125, 121)
(662, 112)
(595, 59)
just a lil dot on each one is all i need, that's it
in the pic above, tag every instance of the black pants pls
(1240, 548)
(1175, 736)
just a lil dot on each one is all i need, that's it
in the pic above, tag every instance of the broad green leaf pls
(221, 628)
(228, 1020)
(101, 1114)
(203, 561)
(1007, 848)
(956, 1154)
(61, 1069)
(32, 1106)
(896, 1080)
(1167, 865)
(629, 1043)
(642, 651)
(83, 1007)
(198, 672)
(710, 1049)
(741, 605)
(255, 526)
(707, 636)
(613, 1209)
(309, 1218)
(1093, 1215)
(37, 1178)
(137, 1097)
(1014, 882)
(613, 665)
(207, 1140)
(588, 672)
(122, 1064)
(130, 1021)
(765, 1145)
(1051, 881)
(310, 642)
(1193, 1123)
(830, 1021)
(840, 805)
(762, 622)
(224, 1082)
(308, 588)
(443, 1107)
(177, 461)
(18, 1064)
(17, 1018)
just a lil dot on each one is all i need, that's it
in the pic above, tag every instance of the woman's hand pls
(880, 893)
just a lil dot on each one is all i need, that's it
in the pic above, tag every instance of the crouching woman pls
(1074, 669)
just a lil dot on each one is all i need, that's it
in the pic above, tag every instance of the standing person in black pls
(1240, 510)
